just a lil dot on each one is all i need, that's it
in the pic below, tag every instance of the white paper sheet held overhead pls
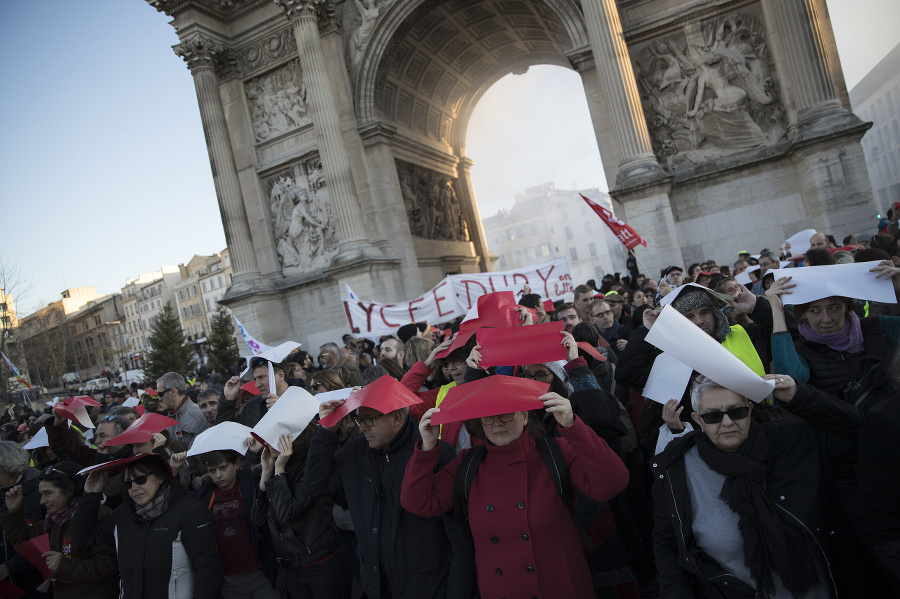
(673, 295)
(668, 379)
(800, 241)
(847, 280)
(290, 415)
(686, 342)
(332, 395)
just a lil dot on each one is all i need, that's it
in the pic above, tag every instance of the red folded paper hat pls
(536, 344)
(247, 391)
(591, 351)
(496, 310)
(119, 465)
(548, 306)
(490, 396)
(384, 394)
(142, 429)
(462, 337)
(151, 392)
(73, 408)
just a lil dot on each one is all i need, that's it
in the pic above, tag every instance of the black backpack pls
(468, 467)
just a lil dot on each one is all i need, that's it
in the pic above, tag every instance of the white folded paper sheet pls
(222, 437)
(332, 395)
(688, 343)
(673, 295)
(668, 379)
(800, 241)
(290, 415)
(846, 280)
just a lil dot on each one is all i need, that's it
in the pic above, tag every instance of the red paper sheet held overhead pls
(488, 397)
(522, 345)
(385, 394)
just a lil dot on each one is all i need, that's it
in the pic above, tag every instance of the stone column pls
(620, 89)
(200, 52)
(473, 215)
(795, 32)
(352, 240)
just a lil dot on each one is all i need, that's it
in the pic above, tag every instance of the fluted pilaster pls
(620, 88)
(200, 54)
(321, 103)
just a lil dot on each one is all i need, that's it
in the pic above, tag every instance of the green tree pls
(223, 349)
(168, 351)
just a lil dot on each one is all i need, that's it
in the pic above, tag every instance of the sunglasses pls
(733, 413)
(51, 469)
(501, 418)
(138, 480)
(163, 392)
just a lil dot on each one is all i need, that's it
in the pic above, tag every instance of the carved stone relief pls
(277, 102)
(432, 204)
(261, 53)
(710, 91)
(361, 29)
(303, 224)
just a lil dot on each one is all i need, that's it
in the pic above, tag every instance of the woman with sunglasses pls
(738, 503)
(78, 570)
(165, 541)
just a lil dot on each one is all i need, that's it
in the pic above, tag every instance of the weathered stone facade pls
(336, 132)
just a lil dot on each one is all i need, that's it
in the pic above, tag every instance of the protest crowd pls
(718, 431)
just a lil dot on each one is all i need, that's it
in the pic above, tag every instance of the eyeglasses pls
(51, 469)
(602, 314)
(501, 418)
(163, 392)
(540, 375)
(138, 480)
(733, 413)
(369, 421)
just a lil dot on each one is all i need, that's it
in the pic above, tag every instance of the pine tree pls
(223, 349)
(168, 351)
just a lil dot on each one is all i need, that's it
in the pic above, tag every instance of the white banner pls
(255, 346)
(455, 295)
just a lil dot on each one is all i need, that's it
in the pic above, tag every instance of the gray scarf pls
(157, 506)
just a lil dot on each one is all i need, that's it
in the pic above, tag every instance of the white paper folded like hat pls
(40, 439)
(673, 295)
(290, 415)
(222, 437)
(275, 355)
(800, 241)
(131, 402)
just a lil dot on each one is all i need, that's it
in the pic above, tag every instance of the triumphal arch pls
(336, 133)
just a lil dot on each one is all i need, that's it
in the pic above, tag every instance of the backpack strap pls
(465, 474)
(559, 469)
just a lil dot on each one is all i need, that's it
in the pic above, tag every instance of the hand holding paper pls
(844, 280)
(688, 343)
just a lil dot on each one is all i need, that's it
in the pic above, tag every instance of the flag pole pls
(641, 264)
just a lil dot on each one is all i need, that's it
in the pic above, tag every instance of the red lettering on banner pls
(505, 283)
(518, 274)
(544, 279)
(353, 329)
(411, 309)
(437, 300)
(393, 326)
(491, 281)
(368, 312)
(469, 293)
(561, 288)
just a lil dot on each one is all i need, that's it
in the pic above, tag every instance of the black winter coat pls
(794, 482)
(431, 557)
(145, 549)
(21, 572)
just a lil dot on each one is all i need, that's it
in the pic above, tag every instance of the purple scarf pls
(848, 339)
(63, 514)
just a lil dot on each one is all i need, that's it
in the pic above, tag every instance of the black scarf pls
(610, 333)
(773, 540)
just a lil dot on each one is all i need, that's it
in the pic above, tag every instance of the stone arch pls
(515, 34)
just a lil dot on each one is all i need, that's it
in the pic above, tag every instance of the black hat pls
(669, 269)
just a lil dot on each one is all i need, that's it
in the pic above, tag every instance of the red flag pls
(623, 232)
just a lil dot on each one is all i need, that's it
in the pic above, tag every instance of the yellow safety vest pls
(442, 393)
(738, 343)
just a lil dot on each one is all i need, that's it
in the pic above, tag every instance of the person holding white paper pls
(837, 351)
(738, 505)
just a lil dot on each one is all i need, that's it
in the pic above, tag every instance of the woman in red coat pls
(526, 544)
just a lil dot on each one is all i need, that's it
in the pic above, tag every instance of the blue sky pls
(103, 166)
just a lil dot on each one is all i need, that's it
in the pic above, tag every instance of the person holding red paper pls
(77, 571)
(526, 543)
(402, 555)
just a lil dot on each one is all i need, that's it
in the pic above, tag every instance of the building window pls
(569, 233)
(545, 249)
(502, 262)
(518, 256)
(196, 293)
(511, 233)
(208, 308)
(574, 254)
(181, 296)
(592, 248)
(221, 282)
